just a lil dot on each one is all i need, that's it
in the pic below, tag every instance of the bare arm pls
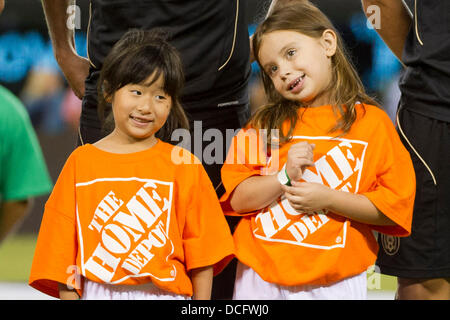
(56, 17)
(74, 67)
(394, 22)
(202, 282)
(66, 293)
(357, 207)
(255, 193)
(313, 197)
(12, 214)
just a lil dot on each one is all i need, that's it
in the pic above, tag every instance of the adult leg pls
(423, 289)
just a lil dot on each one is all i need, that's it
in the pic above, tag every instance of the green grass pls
(377, 281)
(16, 255)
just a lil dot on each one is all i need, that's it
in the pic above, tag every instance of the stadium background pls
(29, 70)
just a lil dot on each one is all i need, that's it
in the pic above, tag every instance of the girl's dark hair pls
(346, 87)
(137, 55)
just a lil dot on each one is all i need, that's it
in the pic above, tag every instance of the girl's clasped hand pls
(305, 197)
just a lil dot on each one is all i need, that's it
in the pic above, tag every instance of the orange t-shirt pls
(290, 248)
(129, 219)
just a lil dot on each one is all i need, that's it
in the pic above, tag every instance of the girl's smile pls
(299, 66)
(140, 110)
(296, 85)
(141, 121)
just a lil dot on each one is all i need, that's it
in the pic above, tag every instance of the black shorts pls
(426, 252)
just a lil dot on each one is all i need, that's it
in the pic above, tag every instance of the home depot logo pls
(338, 164)
(127, 234)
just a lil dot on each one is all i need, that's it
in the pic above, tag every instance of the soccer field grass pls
(16, 255)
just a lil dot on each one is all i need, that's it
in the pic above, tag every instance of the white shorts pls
(103, 291)
(250, 286)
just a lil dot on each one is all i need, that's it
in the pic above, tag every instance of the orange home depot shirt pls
(129, 219)
(290, 248)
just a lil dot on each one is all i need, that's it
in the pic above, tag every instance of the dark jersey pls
(211, 37)
(425, 83)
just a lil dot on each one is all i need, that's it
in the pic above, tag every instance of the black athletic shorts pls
(426, 252)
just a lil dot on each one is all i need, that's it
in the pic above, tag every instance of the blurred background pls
(28, 68)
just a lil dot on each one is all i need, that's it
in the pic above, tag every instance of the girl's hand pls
(300, 156)
(308, 197)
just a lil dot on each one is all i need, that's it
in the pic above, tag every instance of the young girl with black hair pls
(124, 221)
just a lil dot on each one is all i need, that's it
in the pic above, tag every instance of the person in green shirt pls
(23, 172)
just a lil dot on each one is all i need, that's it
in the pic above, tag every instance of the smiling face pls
(299, 66)
(140, 110)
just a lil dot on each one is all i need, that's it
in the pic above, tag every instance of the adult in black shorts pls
(213, 42)
(418, 32)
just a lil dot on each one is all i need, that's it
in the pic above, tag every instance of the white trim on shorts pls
(250, 286)
(148, 291)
